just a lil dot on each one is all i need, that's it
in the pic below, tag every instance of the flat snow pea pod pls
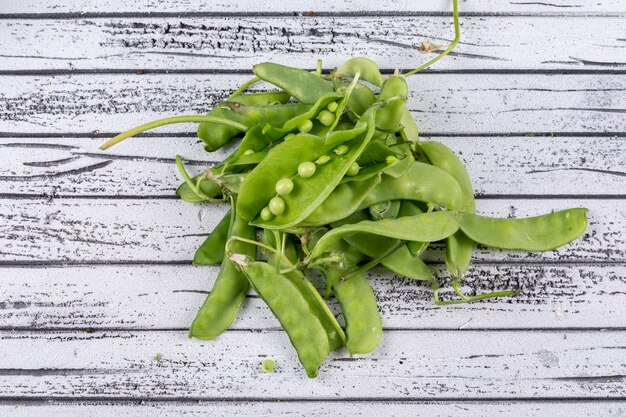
(336, 335)
(306, 333)
(207, 187)
(421, 182)
(282, 161)
(539, 233)
(409, 131)
(343, 201)
(365, 67)
(358, 304)
(426, 227)
(389, 116)
(211, 251)
(459, 247)
(409, 208)
(215, 135)
(230, 288)
(305, 86)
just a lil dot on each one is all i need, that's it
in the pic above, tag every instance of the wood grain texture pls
(168, 297)
(101, 231)
(208, 43)
(145, 167)
(560, 7)
(407, 364)
(316, 408)
(450, 103)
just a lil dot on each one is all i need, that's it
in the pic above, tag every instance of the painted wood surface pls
(168, 296)
(471, 104)
(228, 43)
(96, 286)
(259, 7)
(145, 167)
(314, 408)
(407, 364)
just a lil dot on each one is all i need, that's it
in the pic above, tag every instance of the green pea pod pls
(404, 162)
(365, 67)
(253, 141)
(211, 251)
(343, 201)
(305, 86)
(338, 137)
(208, 188)
(308, 193)
(358, 304)
(306, 333)
(459, 247)
(409, 131)
(409, 208)
(231, 286)
(216, 135)
(540, 233)
(361, 99)
(421, 182)
(389, 116)
(336, 335)
(426, 227)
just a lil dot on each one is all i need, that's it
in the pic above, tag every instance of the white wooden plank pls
(167, 297)
(564, 7)
(407, 364)
(145, 166)
(87, 230)
(171, 43)
(451, 103)
(316, 409)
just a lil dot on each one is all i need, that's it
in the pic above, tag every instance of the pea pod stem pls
(244, 87)
(373, 262)
(195, 186)
(465, 299)
(171, 120)
(457, 38)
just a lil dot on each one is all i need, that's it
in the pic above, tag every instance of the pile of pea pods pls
(329, 175)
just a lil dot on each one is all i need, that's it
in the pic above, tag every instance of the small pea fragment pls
(332, 106)
(290, 136)
(284, 186)
(277, 206)
(341, 149)
(391, 159)
(326, 118)
(268, 365)
(323, 159)
(353, 169)
(306, 169)
(305, 126)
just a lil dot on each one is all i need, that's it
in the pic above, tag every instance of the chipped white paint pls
(168, 296)
(145, 166)
(578, 42)
(449, 103)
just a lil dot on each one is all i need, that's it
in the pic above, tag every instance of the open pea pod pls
(421, 182)
(306, 333)
(426, 227)
(305, 86)
(308, 193)
(539, 233)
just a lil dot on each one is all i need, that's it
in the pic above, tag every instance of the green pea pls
(391, 159)
(341, 149)
(266, 214)
(284, 186)
(268, 365)
(332, 106)
(248, 152)
(277, 206)
(353, 169)
(305, 126)
(290, 136)
(326, 118)
(323, 160)
(306, 169)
